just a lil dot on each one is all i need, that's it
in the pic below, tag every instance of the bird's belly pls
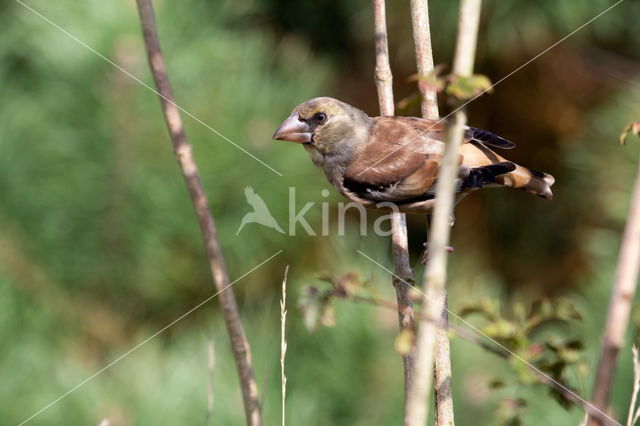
(420, 207)
(427, 205)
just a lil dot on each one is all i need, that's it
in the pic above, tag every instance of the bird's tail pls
(532, 181)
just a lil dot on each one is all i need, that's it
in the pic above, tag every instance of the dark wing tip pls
(488, 138)
(501, 168)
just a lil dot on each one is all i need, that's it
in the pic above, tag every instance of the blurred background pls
(99, 246)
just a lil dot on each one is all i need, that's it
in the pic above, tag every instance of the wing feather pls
(401, 158)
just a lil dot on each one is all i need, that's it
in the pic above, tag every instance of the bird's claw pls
(425, 256)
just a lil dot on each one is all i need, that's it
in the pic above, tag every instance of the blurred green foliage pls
(99, 247)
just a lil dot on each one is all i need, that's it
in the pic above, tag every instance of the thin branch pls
(211, 362)
(436, 272)
(184, 156)
(424, 56)
(383, 75)
(442, 372)
(624, 289)
(283, 340)
(634, 412)
(399, 239)
(429, 106)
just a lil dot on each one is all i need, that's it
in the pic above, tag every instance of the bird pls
(392, 159)
(260, 213)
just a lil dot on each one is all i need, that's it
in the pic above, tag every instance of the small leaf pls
(485, 307)
(465, 88)
(566, 310)
(432, 80)
(569, 352)
(348, 283)
(501, 329)
(632, 128)
(404, 342)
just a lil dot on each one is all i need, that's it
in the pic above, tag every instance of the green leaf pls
(501, 329)
(488, 308)
(465, 88)
(432, 79)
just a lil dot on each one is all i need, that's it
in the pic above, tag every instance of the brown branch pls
(429, 106)
(383, 76)
(399, 239)
(634, 412)
(436, 272)
(424, 56)
(624, 289)
(184, 156)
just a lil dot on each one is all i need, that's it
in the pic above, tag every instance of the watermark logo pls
(261, 215)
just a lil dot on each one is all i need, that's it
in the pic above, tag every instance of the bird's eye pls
(320, 117)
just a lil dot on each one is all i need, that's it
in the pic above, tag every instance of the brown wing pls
(399, 162)
(401, 158)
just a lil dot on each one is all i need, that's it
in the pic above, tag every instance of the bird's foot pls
(425, 256)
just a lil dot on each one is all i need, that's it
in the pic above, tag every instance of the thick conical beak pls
(293, 130)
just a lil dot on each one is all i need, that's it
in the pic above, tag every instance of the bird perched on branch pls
(371, 160)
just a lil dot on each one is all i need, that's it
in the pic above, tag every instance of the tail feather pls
(529, 180)
(487, 138)
(477, 177)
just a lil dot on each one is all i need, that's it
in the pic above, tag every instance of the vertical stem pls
(424, 56)
(399, 240)
(429, 105)
(624, 289)
(211, 362)
(436, 272)
(383, 75)
(283, 342)
(632, 416)
(184, 156)
(442, 370)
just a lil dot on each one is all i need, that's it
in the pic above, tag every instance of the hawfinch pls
(371, 160)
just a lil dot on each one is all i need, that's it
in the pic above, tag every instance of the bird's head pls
(325, 123)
